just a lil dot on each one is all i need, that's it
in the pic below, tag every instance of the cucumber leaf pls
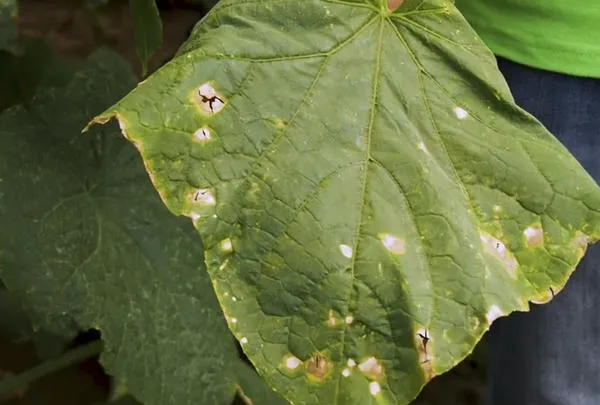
(85, 238)
(147, 30)
(369, 196)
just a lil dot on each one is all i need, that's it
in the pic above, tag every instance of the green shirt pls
(557, 35)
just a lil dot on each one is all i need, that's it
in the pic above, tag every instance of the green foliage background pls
(356, 176)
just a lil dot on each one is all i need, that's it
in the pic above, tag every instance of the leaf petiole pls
(68, 359)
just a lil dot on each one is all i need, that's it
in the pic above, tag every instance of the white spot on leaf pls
(346, 251)
(202, 135)
(207, 90)
(122, 126)
(349, 319)
(244, 340)
(292, 362)
(226, 245)
(461, 113)
(371, 368)
(534, 236)
(351, 363)
(210, 101)
(374, 388)
(218, 105)
(494, 313)
(496, 248)
(203, 196)
(346, 372)
(234, 320)
(392, 244)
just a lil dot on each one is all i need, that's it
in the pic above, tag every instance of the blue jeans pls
(551, 355)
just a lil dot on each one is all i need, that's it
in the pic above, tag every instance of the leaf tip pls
(99, 120)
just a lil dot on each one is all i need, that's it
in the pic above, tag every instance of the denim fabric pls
(551, 355)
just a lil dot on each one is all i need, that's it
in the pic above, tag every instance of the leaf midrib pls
(367, 159)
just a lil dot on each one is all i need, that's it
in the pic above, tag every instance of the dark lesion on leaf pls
(424, 340)
(424, 356)
(318, 367)
(210, 100)
(200, 195)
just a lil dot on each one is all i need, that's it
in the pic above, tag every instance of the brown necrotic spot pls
(581, 241)
(318, 367)
(534, 236)
(424, 349)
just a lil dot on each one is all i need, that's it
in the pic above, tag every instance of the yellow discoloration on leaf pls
(318, 368)
(534, 236)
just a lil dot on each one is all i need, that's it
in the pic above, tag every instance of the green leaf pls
(21, 74)
(16, 326)
(369, 196)
(8, 29)
(147, 29)
(85, 235)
